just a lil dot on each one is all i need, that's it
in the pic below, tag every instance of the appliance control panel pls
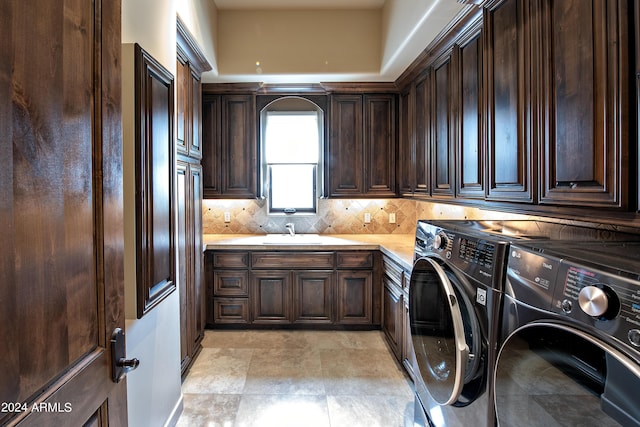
(476, 256)
(603, 300)
(531, 277)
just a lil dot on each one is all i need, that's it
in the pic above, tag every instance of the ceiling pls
(312, 41)
(298, 4)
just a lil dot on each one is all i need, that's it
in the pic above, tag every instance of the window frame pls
(310, 107)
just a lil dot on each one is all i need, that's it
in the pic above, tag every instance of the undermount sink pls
(288, 239)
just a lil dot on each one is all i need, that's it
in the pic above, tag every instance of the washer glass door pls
(444, 331)
(552, 375)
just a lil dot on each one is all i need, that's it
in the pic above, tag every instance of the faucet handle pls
(291, 228)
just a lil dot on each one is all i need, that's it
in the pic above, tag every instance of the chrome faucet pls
(291, 228)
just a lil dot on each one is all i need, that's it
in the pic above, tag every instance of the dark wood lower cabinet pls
(392, 322)
(271, 296)
(313, 297)
(355, 297)
(292, 288)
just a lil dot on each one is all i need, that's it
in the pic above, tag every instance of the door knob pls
(120, 365)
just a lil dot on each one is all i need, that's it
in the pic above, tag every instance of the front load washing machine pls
(570, 336)
(453, 302)
(454, 310)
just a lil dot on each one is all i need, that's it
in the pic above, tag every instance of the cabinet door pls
(380, 145)
(345, 156)
(406, 163)
(422, 124)
(183, 261)
(313, 296)
(470, 141)
(443, 136)
(183, 96)
(392, 315)
(195, 106)
(229, 146)
(190, 262)
(508, 107)
(197, 257)
(211, 146)
(585, 84)
(271, 296)
(408, 354)
(354, 305)
(239, 147)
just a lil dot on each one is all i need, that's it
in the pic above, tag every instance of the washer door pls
(550, 374)
(444, 331)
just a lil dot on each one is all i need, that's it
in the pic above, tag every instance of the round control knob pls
(634, 337)
(440, 241)
(593, 301)
(567, 306)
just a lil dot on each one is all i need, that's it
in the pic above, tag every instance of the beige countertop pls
(397, 246)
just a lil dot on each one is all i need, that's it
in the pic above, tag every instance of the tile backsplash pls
(336, 216)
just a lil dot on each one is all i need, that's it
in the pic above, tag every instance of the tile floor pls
(296, 378)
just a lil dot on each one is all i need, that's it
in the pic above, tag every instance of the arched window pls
(291, 155)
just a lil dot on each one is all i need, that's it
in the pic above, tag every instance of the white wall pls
(409, 26)
(201, 18)
(154, 389)
(154, 394)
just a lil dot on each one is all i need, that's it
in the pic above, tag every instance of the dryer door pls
(444, 330)
(551, 374)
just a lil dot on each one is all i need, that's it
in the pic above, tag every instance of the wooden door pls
(405, 167)
(508, 116)
(271, 296)
(61, 259)
(239, 146)
(470, 141)
(354, 299)
(345, 156)
(422, 123)
(380, 144)
(583, 49)
(313, 296)
(443, 93)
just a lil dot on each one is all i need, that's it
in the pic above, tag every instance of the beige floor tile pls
(362, 372)
(370, 411)
(282, 411)
(210, 410)
(218, 371)
(265, 378)
(285, 371)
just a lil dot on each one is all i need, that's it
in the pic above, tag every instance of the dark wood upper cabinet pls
(229, 146)
(470, 146)
(182, 96)
(361, 147)
(508, 106)
(583, 51)
(346, 151)
(422, 120)
(155, 163)
(379, 144)
(405, 165)
(190, 64)
(443, 136)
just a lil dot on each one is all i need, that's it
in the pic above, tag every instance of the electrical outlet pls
(392, 218)
(227, 217)
(367, 218)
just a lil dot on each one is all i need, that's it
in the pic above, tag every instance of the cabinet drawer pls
(354, 259)
(231, 283)
(231, 259)
(231, 310)
(292, 260)
(392, 270)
